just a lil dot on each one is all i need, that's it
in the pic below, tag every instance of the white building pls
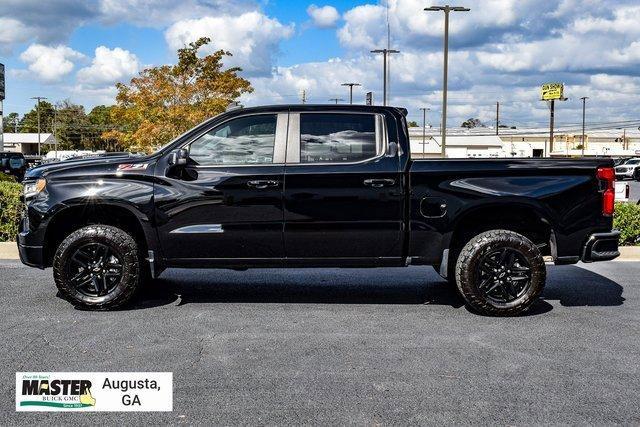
(482, 142)
(27, 143)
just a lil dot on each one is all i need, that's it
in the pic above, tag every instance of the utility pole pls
(446, 9)
(584, 108)
(497, 118)
(424, 126)
(385, 53)
(336, 100)
(351, 85)
(39, 98)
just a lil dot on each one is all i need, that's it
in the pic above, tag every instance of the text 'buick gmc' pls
(314, 186)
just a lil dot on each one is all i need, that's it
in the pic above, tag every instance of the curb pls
(9, 250)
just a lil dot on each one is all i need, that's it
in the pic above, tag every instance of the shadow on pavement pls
(571, 286)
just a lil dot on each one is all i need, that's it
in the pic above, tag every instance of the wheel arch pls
(73, 217)
(528, 219)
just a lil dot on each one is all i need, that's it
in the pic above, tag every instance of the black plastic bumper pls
(32, 256)
(601, 247)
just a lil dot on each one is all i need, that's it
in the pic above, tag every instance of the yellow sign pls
(551, 91)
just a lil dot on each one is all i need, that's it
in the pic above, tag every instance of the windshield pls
(633, 162)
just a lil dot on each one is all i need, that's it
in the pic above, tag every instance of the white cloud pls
(252, 38)
(323, 16)
(109, 66)
(50, 64)
(12, 31)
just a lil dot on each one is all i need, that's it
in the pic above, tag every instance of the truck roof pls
(321, 107)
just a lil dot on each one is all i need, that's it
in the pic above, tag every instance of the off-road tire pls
(467, 276)
(118, 241)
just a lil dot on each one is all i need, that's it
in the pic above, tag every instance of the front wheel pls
(97, 267)
(500, 273)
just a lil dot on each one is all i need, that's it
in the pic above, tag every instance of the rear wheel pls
(98, 267)
(500, 273)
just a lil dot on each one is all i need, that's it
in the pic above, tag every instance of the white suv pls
(630, 169)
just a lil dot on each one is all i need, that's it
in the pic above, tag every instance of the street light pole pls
(424, 126)
(351, 85)
(584, 107)
(39, 98)
(446, 9)
(385, 53)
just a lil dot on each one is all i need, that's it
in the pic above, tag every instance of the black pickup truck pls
(314, 186)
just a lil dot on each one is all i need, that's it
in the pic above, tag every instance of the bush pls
(627, 220)
(10, 207)
(6, 178)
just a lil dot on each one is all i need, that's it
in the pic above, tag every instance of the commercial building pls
(482, 142)
(27, 143)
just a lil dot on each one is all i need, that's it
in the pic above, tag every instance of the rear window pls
(337, 138)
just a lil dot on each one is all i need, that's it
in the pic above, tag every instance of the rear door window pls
(337, 137)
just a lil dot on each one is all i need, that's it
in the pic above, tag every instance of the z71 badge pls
(133, 166)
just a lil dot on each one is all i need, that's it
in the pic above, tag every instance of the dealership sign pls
(94, 391)
(552, 91)
(1, 82)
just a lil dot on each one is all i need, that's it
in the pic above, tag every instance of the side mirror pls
(179, 157)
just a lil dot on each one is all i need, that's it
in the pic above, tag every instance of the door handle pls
(379, 183)
(263, 183)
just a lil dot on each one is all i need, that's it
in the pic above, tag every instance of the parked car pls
(629, 170)
(13, 164)
(314, 186)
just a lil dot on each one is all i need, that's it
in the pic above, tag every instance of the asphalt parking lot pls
(366, 347)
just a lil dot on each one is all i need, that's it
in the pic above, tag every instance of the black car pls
(314, 186)
(13, 164)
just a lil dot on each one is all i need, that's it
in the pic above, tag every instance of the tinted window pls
(245, 140)
(633, 162)
(335, 138)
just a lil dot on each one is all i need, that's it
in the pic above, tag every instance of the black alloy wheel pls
(98, 267)
(95, 269)
(505, 275)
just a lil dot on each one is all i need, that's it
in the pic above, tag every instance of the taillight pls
(608, 178)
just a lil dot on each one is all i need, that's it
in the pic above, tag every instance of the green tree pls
(72, 127)
(164, 101)
(29, 122)
(412, 124)
(9, 122)
(472, 123)
(101, 120)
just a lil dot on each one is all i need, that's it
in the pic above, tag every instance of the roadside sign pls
(1, 82)
(552, 91)
(369, 98)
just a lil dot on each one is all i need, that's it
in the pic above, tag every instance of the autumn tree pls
(165, 101)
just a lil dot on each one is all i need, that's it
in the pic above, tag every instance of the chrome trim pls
(293, 138)
(280, 145)
(199, 229)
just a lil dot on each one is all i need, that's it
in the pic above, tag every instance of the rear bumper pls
(601, 247)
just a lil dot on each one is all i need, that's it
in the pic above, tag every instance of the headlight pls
(32, 189)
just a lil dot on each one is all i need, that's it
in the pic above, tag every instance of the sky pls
(502, 50)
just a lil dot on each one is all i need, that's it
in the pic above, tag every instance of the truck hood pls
(66, 165)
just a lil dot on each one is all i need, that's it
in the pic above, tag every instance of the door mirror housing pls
(179, 157)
